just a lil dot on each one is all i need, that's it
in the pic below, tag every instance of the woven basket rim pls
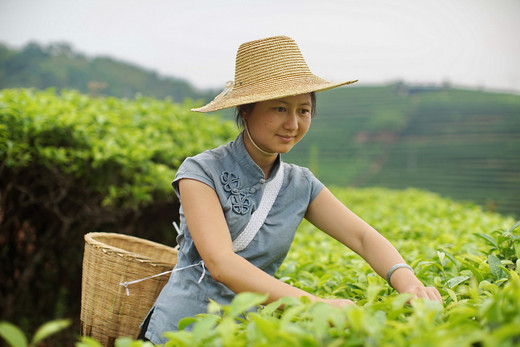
(90, 239)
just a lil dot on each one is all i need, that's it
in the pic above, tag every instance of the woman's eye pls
(280, 109)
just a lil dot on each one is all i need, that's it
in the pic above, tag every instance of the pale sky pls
(469, 43)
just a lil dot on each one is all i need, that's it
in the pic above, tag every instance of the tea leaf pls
(495, 267)
(488, 239)
(452, 294)
(184, 322)
(86, 341)
(321, 317)
(272, 307)
(180, 339)
(399, 301)
(441, 255)
(13, 335)
(245, 301)
(473, 270)
(205, 325)
(455, 281)
(50, 328)
(516, 225)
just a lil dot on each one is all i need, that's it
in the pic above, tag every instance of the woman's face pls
(277, 125)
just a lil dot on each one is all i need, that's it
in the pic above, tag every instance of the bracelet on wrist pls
(395, 267)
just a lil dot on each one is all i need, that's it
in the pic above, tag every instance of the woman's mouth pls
(285, 138)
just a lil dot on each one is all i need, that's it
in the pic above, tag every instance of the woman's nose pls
(291, 122)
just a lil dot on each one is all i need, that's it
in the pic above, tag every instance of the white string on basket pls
(178, 233)
(127, 283)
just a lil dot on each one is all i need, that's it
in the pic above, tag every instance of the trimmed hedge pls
(71, 164)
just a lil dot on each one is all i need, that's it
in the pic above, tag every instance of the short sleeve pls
(193, 169)
(315, 184)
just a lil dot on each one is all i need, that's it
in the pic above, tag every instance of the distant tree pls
(57, 65)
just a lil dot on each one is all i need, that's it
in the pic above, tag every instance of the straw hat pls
(267, 69)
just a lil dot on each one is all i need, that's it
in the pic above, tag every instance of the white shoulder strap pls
(258, 217)
(246, 236)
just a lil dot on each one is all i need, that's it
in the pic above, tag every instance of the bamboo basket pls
(107, 312)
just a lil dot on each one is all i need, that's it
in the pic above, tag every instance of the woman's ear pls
(242, 111)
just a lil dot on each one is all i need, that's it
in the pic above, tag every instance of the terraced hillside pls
(462, 144)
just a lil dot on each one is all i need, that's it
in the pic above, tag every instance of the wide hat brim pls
(252, 94)
(268, 69)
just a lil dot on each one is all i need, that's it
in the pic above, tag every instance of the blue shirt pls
(239, 183)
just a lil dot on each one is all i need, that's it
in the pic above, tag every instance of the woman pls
(241, 205)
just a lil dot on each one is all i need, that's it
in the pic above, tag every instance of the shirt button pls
(262, 180)
(252, 190)
(234, 191)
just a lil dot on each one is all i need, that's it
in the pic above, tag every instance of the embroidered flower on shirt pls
(240, 201)
(230, 181)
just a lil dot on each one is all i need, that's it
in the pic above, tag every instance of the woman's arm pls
(211, 236)
(327, 213)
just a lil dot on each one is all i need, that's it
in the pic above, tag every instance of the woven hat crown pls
(266, 69)
(272, 58)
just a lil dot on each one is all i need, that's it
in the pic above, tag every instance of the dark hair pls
(249, 108)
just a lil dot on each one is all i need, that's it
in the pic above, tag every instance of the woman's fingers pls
(430, 293)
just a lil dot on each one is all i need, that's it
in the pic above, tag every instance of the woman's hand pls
(329, 214)
(405, 281)
(420, 291)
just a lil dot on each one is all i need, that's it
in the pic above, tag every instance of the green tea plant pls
(440, 238)
(72, 164)
(14, 336)
(389, 321)
(505, 248)
(437, 236)
(93, 138)
(86, 341)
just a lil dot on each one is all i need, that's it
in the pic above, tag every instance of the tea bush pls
(71, 164)
(471, 256)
